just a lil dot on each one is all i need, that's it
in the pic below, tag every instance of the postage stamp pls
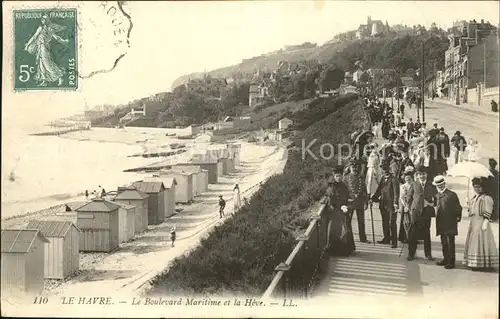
(45, 49)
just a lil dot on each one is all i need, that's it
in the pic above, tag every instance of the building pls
(464, 58)
(156, 200)
(372, 28)
(133, 196)
(23, 255)
(284, 123)
(356, 76)
(126, 222)
(61, 253)
(184, 187)
(98, 221)
(208, 85)
(170, 184)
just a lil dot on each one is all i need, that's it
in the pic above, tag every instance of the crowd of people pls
(406, 176)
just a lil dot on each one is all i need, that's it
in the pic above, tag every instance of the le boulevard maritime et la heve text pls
(242, 302)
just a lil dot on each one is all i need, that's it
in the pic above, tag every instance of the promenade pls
(375, 274)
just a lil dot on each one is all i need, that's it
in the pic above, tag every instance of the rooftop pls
(20, 240)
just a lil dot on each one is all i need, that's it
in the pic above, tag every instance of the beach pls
(127, 270)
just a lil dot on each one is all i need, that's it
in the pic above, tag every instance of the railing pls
(296, 276)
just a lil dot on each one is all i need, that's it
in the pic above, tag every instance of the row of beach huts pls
(49, 248)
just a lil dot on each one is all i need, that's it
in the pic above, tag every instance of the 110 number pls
(41, 300)
(25, 72)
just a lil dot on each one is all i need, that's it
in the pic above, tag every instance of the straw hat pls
(438, 180)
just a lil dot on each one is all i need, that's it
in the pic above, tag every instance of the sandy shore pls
(127, 270)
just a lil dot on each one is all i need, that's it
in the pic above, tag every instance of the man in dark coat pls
(410, 127)
(405, 162)
(459, 145)
(388, 194)
(424, 223)
(357, 197)
(448, 215)
(492, 187)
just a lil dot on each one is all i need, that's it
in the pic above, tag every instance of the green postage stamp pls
(45, 49)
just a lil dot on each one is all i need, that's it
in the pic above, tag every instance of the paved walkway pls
(375, 276)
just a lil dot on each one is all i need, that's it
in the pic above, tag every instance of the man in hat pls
(388, 193)
(434, 130)
(410, 127)
(428, 211)
(405, 162)
(459, 145)
(357, 196)
(448, 215)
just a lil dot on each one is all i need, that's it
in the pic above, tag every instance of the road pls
(477, 125)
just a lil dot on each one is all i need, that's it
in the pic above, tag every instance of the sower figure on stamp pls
(448, 215)
(388, 193)
(357, 197)
(39, 45)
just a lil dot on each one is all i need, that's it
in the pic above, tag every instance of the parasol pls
(469, 170)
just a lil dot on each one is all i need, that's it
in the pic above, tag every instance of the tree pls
(331, 79)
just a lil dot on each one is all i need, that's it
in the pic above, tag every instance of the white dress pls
(373, 174)
(236, 199)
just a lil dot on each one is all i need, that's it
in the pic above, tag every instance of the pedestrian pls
(86, 194)
(494, 106)
(172, 235)
(236, 198)
(473, 150)
(459, 145)
(415, 215)
(448, 215)
(410, 127)
(480, 251)
(387, 194)
(340, 237)
(492, 187)
(99, 191)
(103, 192)
(404, 163)
(428, 211)
(357, 197)
(222, 205)
(434, 129)
(405, 199)
(418, 126)
(373, 174)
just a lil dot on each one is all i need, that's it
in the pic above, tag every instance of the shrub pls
(240, 255)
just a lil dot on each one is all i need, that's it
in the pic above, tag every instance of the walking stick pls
(407, 237)
(373, 227)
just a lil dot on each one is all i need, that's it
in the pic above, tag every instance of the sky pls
(170, 39)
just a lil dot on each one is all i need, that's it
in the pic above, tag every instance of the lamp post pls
(423, 85)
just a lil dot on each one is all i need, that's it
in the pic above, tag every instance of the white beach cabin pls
(23, 254)
(62, 256)
(132, 196)
(126, 222)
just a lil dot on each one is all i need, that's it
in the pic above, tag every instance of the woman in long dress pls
(39, 45)
(373, 174)
(341, 238)
(473, 150)
(405, 199)
(236, 198)
(480, 249)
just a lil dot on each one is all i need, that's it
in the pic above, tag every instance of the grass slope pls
(239, 256)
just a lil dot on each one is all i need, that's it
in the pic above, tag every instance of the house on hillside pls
(284, 123)
(408, 81)
(372, 28)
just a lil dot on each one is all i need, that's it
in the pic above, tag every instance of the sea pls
(42, 171)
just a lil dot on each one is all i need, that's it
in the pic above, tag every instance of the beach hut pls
(156, 200)
(62, 257)
(22, 263)
(98, 221)
(200, 177)
(235, 150)
(184, 188)
(228, 166)
(170, 185)
(133, 196)
(212, 167)
(126, 222)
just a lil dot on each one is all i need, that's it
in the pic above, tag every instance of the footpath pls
(464, 106)
(375, 275)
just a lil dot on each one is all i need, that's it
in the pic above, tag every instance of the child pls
(172, 235)
(222, 205)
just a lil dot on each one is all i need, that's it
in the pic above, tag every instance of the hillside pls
(384, 52)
